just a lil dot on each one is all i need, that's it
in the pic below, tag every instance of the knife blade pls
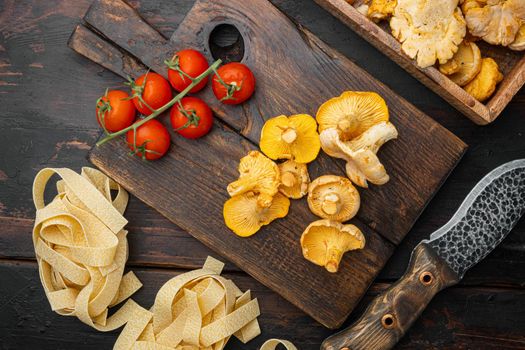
(486, 216)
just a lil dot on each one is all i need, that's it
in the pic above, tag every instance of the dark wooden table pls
(47, 95)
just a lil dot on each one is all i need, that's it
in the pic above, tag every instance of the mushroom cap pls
(428, 30)
(293, 137)
(381, 9)
(352, 113)
(333, 197)
(468, 62)
(519, 42)
(484, 84)
(495, 21)
(450, 67)
(362, 163)
(294, 179)
(257, 174)
(325, 241)
(244, 216)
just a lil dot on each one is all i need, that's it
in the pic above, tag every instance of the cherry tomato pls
(191, 62)
(152, 138)
(239, 81)
(156, 92)
(115, 111)
(192, 118)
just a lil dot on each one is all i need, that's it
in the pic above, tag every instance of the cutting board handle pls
(245, 16)
(392, 313)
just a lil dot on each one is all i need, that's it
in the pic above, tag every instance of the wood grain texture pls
(90, 45)
(455, 319)
(391, 314)
(512, 64)
(408, 189)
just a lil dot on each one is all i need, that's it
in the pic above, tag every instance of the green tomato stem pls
(159, 111)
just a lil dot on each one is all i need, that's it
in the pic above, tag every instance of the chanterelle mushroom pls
(333, 197)
(352, 113)
(465, 64)
(495, 21)
(324, 242)
(381, 9)
(257, 174)
(244, 216)
(430, 30)
(294, 179)
(484, 84)
(362, 163)
(519, 42)
(293, 137)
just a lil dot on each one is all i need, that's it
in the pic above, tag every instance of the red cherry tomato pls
(192, 118)
(238, 83)
(152, 140)
(156, 92)
(191, 62)
(115, 111)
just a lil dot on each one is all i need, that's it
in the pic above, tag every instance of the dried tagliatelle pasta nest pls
(199, 309)
(81, 247)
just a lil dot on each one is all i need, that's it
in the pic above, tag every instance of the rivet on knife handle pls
(392, 313)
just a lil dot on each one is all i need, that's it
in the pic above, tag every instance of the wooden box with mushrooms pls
(443, 33)
(352, 127)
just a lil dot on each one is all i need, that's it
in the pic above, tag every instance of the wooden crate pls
(511, 63)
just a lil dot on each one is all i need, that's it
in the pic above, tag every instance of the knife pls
(483, 220)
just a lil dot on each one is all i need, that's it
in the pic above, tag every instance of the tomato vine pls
(157, 112)
(191, 116)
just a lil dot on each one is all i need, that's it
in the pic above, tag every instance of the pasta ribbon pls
(81, 246)
(196, 310)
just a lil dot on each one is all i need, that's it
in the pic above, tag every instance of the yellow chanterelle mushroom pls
(495, 21)
(362, 163)
(293, 137)
(519, 42)
(244, 216)
(324, 242)
(352, 113)
(465, 64)
(257, 174)
(333, 197)
(429, 31)
(381, 9)
(294, 179)
(484, 84)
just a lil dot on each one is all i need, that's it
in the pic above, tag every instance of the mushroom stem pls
(333, 258)
(330, 203)
(289, 135)
(264, 200)
(288, 179)
(240, 186)
(346, 125)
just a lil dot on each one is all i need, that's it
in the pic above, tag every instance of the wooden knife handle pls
(392, 313)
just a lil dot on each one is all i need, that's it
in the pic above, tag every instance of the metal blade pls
(484, 219)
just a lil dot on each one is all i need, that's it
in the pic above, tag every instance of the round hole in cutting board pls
(226, 43)
(388, 321)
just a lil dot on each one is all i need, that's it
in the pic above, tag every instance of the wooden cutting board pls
(295, 73)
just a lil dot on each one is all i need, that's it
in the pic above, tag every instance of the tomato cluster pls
(191, 117)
